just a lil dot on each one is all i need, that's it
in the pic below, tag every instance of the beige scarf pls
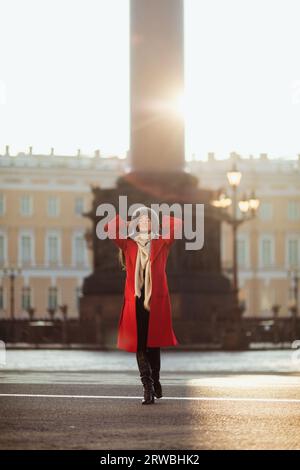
(143, 267)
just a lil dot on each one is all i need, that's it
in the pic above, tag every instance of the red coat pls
(160, 330)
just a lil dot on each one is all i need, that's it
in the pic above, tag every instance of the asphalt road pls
(104, 411)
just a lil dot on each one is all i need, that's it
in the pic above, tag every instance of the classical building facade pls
(42, 230)
(269, 245)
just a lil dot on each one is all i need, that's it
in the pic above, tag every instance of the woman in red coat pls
(145, 323)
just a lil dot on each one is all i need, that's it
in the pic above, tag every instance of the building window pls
(2, 249)
(26, 298)
(79, 246)
(53, 206)
(294, 210)
(52, 298)
(79, 205)
(53, 249)
(293, 253)
(26, 205)
(265, 211)
(2, 204)
(266, 252)
(26, 249)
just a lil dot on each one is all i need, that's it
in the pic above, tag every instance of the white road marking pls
(263, 400)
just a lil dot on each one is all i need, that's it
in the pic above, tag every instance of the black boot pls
(154, 359)
(146, 378)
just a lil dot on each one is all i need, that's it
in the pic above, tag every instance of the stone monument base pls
(204, 306)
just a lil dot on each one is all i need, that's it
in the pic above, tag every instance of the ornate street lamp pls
(253, 202)
(12, 272)
(31, 312)
(234, 176)
(223, 201)
(293, 274)
(247, 205)
(64, 311)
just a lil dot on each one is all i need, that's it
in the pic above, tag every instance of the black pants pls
(142, 321)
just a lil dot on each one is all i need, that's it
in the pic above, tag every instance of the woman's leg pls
(142, 319)
(155, 363)
(154, 358)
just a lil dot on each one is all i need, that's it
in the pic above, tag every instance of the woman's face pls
(144, 223)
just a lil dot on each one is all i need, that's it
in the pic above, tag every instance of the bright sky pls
(64, 76)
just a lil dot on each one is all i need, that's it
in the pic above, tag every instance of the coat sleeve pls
(115, 227)
(169, 225)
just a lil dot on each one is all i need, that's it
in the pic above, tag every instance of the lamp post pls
(248, 207)
(294, 304)
(64, 310)
(12, 272)
(52, 305)
(294, 276)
